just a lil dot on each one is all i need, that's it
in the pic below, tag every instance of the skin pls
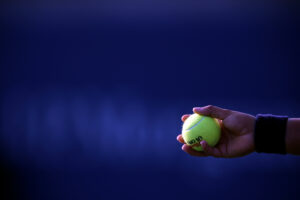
(292, 139)
(237, 131)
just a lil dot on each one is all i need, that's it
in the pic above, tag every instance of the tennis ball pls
(197, 128)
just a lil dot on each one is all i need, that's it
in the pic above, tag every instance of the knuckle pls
(210, 108)
(209, 150)
(227, 111)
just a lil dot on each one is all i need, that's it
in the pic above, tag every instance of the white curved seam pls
(195, 124)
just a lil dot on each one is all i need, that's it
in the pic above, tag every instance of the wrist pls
(250, 133)
(269, 133)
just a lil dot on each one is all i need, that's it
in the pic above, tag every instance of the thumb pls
(213, 111)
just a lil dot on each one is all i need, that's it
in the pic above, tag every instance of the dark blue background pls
(92, 94)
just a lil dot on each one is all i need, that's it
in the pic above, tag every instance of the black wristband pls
(269, 134)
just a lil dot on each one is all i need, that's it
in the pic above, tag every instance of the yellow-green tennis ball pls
(198, 127)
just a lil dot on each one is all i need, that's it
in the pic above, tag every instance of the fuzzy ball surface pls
(198, 127)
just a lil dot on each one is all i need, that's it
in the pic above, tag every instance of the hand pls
(237, 131)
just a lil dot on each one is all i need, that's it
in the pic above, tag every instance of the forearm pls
(292, 139)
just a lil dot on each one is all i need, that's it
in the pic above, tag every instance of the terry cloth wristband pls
(269, 133)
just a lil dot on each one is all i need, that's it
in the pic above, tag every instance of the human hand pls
(237, 131)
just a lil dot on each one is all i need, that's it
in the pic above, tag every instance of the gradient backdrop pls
(92, 94)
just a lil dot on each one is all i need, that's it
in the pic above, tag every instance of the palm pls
(232, 143)
(236, 140)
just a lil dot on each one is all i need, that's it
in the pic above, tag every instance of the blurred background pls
(92, 93)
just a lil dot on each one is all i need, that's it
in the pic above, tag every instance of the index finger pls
(184, 117)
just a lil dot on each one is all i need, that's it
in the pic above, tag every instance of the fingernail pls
(196, 109)
(203, 144)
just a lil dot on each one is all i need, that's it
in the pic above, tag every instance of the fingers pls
(184, 117)
(207, 150)
(180, 139)
(192, 152)
(211, 151)
(213, 111)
